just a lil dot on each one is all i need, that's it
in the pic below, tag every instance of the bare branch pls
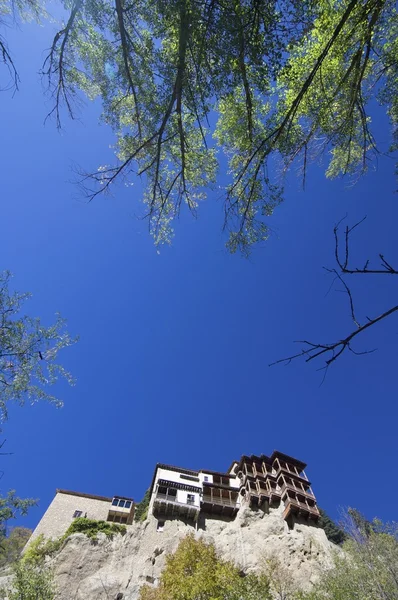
(54, 64)
(386, 269)
(9, 63)
(334, 350)
(331, 351)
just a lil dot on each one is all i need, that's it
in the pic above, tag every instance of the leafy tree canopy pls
(28, 352)
(334, 533)
(270, 83)
(12, 546)
(195, 571)
(11, 506)
(367, 569)
(30, 582)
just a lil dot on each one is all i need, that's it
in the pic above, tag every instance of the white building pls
(256, 480)
(181, 492)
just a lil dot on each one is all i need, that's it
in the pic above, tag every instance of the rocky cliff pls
(116, 569)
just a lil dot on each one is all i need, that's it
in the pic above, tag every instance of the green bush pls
(91, 528)
(30, 582)
(40, 547)
(333, 532)
(141, 509)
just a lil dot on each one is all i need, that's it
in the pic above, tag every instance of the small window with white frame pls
(77, 514)
(121, 503)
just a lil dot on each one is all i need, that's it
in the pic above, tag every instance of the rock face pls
(116, 569)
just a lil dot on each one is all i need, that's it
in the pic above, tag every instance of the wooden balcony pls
(283, 470)
(168, 505)
(308, 493)
(293, 506)
(219, 506)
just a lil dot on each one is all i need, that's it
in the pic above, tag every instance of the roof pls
(171, 468)
(220, 473)
(93, 496)
(270, 459)
(253, 458)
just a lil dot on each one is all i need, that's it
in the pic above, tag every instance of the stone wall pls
(59, 514)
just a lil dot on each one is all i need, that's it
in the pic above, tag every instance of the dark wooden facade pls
(275, 478)
(220, 500)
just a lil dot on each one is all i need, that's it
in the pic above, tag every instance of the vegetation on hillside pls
(367, 569)
(30, 582)
(39, 548)
(334, 533)
(196, 572)
(141, 509)
(12, 545)
(33, 579)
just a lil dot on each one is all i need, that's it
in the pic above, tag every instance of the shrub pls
(333, 532)
(141, 509)
(91, 528)
(30, 582)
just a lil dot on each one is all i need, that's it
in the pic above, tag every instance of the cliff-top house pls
(255, 481)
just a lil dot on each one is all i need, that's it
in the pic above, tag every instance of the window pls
(190, 477)
(77, 513)
(190, 499)
(160, 526)
(121, 503)
(206, 478)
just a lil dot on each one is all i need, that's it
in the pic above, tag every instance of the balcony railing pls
(173, 499)
(221, 501)
(302, 505)
(289, 486)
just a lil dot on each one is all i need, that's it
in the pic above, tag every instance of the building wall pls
(235, 482)
(202, 476)
(176, 477)
(59, 514)
(182, 497)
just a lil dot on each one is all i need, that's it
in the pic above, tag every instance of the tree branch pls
(332, 351)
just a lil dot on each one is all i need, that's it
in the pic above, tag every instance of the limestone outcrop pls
(116, 569)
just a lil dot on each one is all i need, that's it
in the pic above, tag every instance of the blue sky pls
(172, 363)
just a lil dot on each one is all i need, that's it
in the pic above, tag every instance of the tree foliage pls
(367, 569)
(12, 545)
(334, 533)
(30, 582)
(28, 352)
(141, 509)
(196, 571)
(11, 507)
(31, 579)
(269, 83)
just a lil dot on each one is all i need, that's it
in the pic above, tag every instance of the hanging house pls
(255, 480)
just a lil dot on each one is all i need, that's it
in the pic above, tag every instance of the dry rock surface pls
(116, 569)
